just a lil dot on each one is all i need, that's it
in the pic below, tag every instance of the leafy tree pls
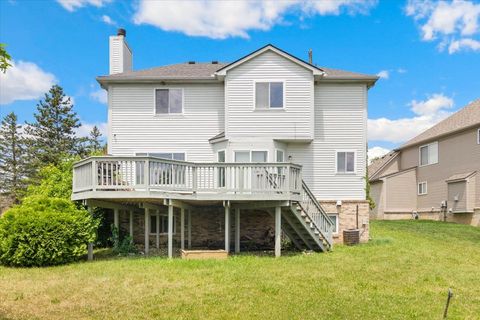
(4, 58)
(13, 169)
(52, 135)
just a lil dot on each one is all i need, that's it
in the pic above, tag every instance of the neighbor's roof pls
(460, 176)
(377, 165)
(465, 118)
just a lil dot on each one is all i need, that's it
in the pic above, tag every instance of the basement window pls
(162, 224)
(334, 218)
(268, 95)
(168, 101)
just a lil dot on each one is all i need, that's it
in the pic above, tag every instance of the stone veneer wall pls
(347, 217)
(436, 215)
(208, 228)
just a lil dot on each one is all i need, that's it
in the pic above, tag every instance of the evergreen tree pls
(12, 159)
(94, 140)
(52, 135)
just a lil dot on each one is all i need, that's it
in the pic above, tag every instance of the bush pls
(44, 231)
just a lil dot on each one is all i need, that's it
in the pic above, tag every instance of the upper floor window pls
(428, 154)
(478, 136)
(345, 161)
(269, 95)
(168, 101)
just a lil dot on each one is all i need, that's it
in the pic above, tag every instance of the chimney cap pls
(122, 32)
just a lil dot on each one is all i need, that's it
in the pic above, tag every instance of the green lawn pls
(403, 273)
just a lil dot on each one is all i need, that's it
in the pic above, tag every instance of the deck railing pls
(156, 174)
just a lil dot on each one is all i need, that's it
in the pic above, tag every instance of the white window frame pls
(276, 154)
(159, 216)
(283, 81)
(354, 161)
(337, 223)
(250, 153)
(167, 114)
(424, 191)
(428, 148)
(148, 154)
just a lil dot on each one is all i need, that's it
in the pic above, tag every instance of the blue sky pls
(428, 53)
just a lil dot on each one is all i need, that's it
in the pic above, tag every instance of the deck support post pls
(227, 226)
(157, 228)
(170, 230)
(237, 230)
(90, 244)
(131, 224)
(182, 228)
(278, 230)
(147, 230)
(116, 224)
(189, 231)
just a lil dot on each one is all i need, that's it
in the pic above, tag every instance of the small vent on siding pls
(191, 62)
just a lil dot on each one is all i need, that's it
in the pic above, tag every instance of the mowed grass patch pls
(402, 273)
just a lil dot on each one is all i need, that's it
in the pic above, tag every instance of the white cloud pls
(72, 5)
(435, 103)
(401, 70)
(223, 19)
(376, 152)
(384, 74)
(85, 128)
(100, 95)
(108, 20)
(428, 113)
(464, 44)
(24, 81)
(453, 23)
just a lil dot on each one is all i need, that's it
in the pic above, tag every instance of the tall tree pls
(12, 159)
(52, 135)
(95, 145)
(4, 58)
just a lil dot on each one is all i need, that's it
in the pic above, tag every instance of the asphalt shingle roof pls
(379, 163)
(464, 118)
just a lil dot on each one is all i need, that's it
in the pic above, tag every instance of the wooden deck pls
(150, 177)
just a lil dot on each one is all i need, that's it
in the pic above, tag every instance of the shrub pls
(122, 247)
(44, 231)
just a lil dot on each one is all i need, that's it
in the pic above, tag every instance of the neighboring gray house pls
(435, 175)
(276, 140)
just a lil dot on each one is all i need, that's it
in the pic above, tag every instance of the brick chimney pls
(120, 53)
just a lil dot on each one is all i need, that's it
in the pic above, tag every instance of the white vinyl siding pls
(340, 124)
(133, 129)
(428, 154)
(293, 121)
(168, 101)
(422, 188)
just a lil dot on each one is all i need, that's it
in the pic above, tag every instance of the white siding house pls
(266, 131)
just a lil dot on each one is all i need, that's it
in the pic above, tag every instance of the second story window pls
(345, 162)
(269, 95)
(428, 154)
(168, 101)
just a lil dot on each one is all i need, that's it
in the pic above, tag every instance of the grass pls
(402, 273)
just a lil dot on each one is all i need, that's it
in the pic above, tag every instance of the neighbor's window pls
(168, 101)
(428, 154)
(478, 136)
(162, 224)
(268, 95)
(334, 218)
(345, 162)
(422, 188)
